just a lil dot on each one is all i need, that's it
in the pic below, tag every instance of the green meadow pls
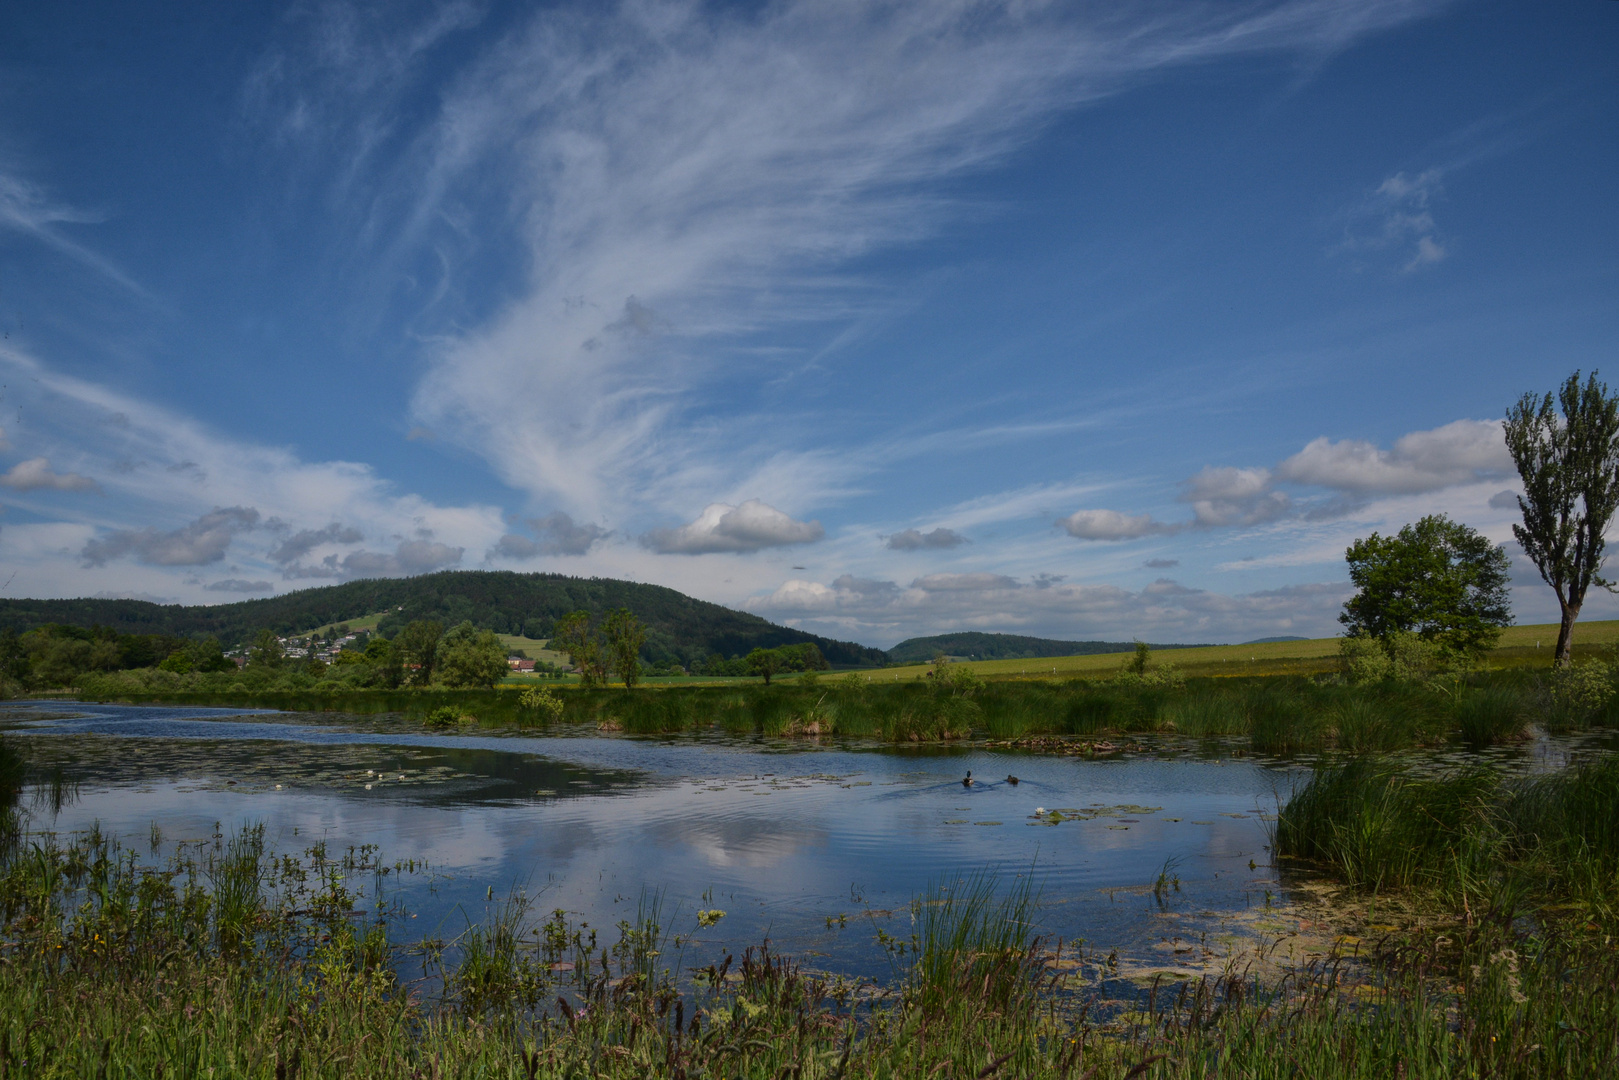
(1520, 646)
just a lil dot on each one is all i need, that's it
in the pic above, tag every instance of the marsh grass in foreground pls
(232, 960)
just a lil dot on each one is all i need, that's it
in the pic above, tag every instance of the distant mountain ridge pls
(981, 646)
(680, 628)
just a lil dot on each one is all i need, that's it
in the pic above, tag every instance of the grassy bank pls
(227, 959)
(1278, 715)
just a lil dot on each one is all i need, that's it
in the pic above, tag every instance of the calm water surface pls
(781, 835)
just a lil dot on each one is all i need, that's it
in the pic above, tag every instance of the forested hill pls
(978, 646)
(679, 628)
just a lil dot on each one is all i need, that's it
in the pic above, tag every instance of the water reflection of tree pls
(12, 771)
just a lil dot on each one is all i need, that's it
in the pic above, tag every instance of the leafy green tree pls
(13, 662)
(1438, 579)
(206, 655)
(622, 638)
(266, 653)
(802, 657)
(1569, 464)
(386, 663)
(57, 660)
(573, 635)
(764, 662)
(417, 646)
(1138, 661)
(469, 657)
(177, 662)
(105, 655)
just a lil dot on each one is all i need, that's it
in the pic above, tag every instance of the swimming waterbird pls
(1012, 780)
(968, 780)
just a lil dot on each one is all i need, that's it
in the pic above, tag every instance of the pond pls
(819, 847)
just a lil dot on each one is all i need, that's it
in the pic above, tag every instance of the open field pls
(533, 648)
(364, 622)
(1517, 648)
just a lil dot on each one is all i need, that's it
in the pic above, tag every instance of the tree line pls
(418, 654)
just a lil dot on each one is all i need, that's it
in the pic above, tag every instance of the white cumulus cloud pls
(1461, 452)
(1112, 525)
(752, 526)
(35, 475)
(1231, 496)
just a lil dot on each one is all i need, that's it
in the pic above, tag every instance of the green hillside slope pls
(977, 646)
(680, 629)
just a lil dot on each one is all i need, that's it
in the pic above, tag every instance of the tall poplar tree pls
(1568, 457)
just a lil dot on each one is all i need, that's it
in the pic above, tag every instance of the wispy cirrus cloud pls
(26, 208)
(679, 179)
(1398, 217)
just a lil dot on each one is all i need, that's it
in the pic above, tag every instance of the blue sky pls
(1114, 320)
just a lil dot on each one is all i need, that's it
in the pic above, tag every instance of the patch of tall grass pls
(1208, 715)
(1376, 825)
(1284, 721)
(973, 938)
(1489, 715)
(1469, 836)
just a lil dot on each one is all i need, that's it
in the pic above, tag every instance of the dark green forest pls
(680, 629)
(977, 646)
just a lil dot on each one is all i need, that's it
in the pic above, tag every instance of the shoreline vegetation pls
(227, 958)
(1278, 714)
